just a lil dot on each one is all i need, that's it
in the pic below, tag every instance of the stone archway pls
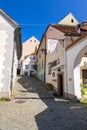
(73, 57)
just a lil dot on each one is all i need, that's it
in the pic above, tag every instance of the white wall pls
(3, 37)
(25, 62)
(28, 61)
(15, 66)
(73, 59)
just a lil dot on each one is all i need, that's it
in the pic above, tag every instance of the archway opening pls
(80, 72)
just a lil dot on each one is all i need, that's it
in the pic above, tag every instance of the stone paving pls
(34, 108)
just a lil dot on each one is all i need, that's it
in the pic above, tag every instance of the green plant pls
(5, 99)
(83, 88)
(82, 91)
(49, 86)
(84, 101)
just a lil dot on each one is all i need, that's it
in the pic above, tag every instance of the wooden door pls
(60, 84)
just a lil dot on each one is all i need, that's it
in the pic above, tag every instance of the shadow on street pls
(60, 114)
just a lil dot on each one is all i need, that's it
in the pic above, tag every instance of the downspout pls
(65, 66)
(45, 61)
(11, 84)
(12, 66)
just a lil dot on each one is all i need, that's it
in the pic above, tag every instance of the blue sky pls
(35, 15)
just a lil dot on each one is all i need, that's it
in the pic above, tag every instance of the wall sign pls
(52, 46)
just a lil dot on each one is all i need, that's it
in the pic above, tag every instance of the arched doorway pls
(74, 56)
(78, 76)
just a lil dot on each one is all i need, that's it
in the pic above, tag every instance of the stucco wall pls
(6, 54)
(50, 57)
(25, 62)
(68, 20)
(28, 47)
(73, 59)
(15, 65)
(40, 58)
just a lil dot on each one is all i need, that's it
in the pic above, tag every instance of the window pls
(34, 40)
(31, 66)
(52, 46)
(72, 20)
(84, 76)
(34, 67)
(26, 66)
(30, 40)
(26, 73)
(32, 57)
(49, 68)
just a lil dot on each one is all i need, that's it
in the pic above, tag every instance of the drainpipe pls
(11, 84)
(45, 60)
(12, 65)
(65, 70)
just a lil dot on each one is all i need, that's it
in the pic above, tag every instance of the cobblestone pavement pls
(34, 108)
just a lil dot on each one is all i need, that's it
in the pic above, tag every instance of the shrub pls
(84, 101)
(49, 86)
(5, 99)
(83, 88)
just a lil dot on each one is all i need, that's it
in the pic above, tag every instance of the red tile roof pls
(64, 28)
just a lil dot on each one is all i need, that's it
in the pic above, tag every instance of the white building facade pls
(10, 52)
(29, 66)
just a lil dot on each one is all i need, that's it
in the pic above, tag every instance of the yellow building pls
(28, 47)
(69, 20)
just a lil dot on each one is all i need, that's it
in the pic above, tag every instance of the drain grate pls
(20, 101)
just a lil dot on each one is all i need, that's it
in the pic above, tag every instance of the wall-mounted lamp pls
(44, 50)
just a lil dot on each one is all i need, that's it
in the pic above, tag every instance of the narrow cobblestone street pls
(34, 108)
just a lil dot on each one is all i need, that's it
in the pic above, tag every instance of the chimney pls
(84, 26)
(84, 23)
(78, 28)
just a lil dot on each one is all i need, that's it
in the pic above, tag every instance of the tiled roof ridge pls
(64, 28)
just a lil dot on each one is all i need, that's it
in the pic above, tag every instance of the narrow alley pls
(34, 108)
(29, 88)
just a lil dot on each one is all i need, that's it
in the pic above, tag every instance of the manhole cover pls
(20, 101)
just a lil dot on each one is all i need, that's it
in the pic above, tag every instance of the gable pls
(28, 46)
(69, 20)
(54, 33)
(6, 19)
(2, 20)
